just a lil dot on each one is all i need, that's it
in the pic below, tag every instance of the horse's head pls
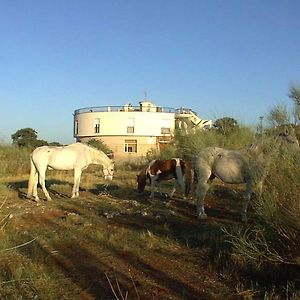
(288, 136)
(141, 181)
(108, 171)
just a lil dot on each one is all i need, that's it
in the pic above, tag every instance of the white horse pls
(249, 165)
(75, 157)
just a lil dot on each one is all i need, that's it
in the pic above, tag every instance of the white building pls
(128, 130)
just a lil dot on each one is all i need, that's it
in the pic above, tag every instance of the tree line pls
(27, 137)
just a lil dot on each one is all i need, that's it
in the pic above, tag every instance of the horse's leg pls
(176, 184)
(42, 174)
(34, 188)
(31, 181)
(75, 190)
(187, 189)
(203, 181)
(259, 185)
(201, 190)
(157, 185)
(152, 186)
(189, 184)
(78, 185)
(181, 182)
(248, 193)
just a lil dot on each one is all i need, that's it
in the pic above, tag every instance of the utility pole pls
(145, 94)
(261, 129)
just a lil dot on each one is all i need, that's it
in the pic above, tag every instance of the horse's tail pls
(189, 178)
(180, 170)
(33, 171)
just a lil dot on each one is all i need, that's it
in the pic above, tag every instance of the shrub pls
(192, 144)
(168, 152)
(99, 144)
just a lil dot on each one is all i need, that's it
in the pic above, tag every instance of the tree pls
(295, 96)
(56, 144)
(98, 144)
(226, 125)
(278, 116)
(24, 137)
(27, 137)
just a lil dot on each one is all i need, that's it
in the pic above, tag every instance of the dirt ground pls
(182, 269)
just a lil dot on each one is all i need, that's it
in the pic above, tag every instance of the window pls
(130, 146)
(97, 125)
(130, 125)
(130, 129)
(165, 126)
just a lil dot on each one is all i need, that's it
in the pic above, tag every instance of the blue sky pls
(220, 58)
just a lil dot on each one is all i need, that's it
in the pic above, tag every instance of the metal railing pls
(182, 110)
(124, 108)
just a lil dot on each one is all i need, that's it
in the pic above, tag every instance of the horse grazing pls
(249, 165)
(161, 170)
(75, 157)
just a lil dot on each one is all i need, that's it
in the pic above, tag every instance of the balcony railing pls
(180, 111)
(124, 108)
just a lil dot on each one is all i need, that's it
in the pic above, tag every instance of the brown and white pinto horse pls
(160, 170)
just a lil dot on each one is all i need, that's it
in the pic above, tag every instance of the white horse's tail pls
(33, 171)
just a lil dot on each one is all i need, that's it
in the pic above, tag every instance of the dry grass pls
(77, 244)
(109, 240)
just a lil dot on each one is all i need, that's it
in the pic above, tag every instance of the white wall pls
(115, 123)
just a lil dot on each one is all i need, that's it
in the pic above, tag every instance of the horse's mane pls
(93, 148)
(96, 152)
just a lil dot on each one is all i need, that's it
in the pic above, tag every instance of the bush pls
(168, 152)
(192, 144)
(98, 144)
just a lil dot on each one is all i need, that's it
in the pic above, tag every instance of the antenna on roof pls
(145, 94)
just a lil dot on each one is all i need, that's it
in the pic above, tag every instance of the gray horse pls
(249, 165)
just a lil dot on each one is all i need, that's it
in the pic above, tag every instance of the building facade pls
(129, 131)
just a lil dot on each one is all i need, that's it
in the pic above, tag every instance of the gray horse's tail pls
(180, 174)
(189, 179)
(33, 171)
